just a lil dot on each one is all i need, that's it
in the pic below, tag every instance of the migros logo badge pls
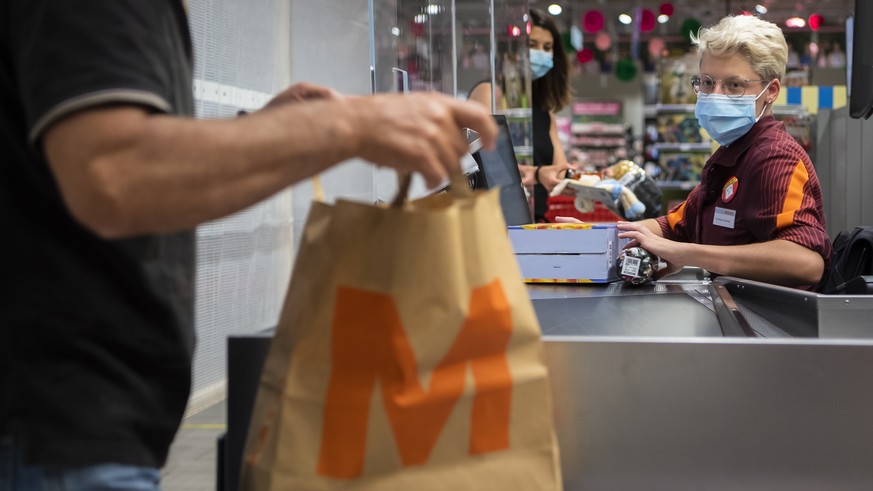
(369, 343)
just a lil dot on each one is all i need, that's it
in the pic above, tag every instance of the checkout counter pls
(682, 384)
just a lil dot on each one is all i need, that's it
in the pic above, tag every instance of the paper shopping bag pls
(407, 357)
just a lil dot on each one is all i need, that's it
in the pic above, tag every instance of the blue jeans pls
(15, 476)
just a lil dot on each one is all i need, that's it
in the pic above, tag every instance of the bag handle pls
(317, 188)
(458, 187)
(402, 190)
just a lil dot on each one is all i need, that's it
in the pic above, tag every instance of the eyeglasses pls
(732, 87)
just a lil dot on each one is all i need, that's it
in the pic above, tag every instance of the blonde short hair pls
(761, 43)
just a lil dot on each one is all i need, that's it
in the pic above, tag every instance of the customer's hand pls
(302, 92)
(420, 132)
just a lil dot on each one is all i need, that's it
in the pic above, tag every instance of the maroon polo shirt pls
(762, 187)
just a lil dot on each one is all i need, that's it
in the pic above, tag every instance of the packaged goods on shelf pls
(598, 132)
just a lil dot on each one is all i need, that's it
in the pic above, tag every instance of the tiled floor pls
(192, 462)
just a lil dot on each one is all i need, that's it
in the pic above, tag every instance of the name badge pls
(724, 217)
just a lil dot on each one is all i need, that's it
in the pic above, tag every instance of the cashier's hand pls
(670, 251)
(420, 132)
(567, 220)
(303, 92)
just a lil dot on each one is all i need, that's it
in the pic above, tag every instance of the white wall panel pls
(244, 260)
(330, 46)
(246, 51)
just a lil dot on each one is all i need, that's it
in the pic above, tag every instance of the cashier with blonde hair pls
(757, 212)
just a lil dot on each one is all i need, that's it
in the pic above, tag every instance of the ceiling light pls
(555, 9)
(625, 19)
(662, 19)
(420, 18)
(432, 9)
(760, 9)
(795, 22)
(395, 31)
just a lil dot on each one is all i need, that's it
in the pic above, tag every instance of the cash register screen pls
(499, 168)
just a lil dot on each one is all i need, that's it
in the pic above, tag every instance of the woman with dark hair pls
(550, 93)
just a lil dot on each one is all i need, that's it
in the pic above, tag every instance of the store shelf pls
(523, 150)
(597, 140)
(787, 110)
(652, 110)
(684, 147)
(518, 112)
(681, 147)
(599, 130)
(596, 128)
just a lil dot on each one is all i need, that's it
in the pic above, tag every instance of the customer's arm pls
(123, 171)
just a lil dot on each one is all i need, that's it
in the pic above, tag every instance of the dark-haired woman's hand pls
(550, 175)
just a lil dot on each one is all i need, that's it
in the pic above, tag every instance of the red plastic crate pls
(562, 206)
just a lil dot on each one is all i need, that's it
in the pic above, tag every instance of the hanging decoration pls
(625, 70)
(567, 42)
(815, 21)
(575, 38)
(647, 20)
(584, 55)
(602, 41)
(635, 33)
(416, 28)
(593, 21)
(656, 46)
(666, 8)
(690, 26)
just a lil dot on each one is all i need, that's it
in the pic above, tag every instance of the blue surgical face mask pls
(540, 62)
(727, 118)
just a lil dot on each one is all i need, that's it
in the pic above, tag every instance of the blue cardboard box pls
(566, 253)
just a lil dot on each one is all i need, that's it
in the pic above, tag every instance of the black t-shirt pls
(96, 336)
(543, 154)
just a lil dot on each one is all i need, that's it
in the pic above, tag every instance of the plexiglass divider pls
(450, 46)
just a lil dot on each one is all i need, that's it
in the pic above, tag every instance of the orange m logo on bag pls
(370, 344)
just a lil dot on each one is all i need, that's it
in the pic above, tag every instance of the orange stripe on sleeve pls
(794, 196)
(676, 216)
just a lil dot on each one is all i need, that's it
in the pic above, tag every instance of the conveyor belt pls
(693, 307)
(672, 314)
(775, 311)
(678, 307)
